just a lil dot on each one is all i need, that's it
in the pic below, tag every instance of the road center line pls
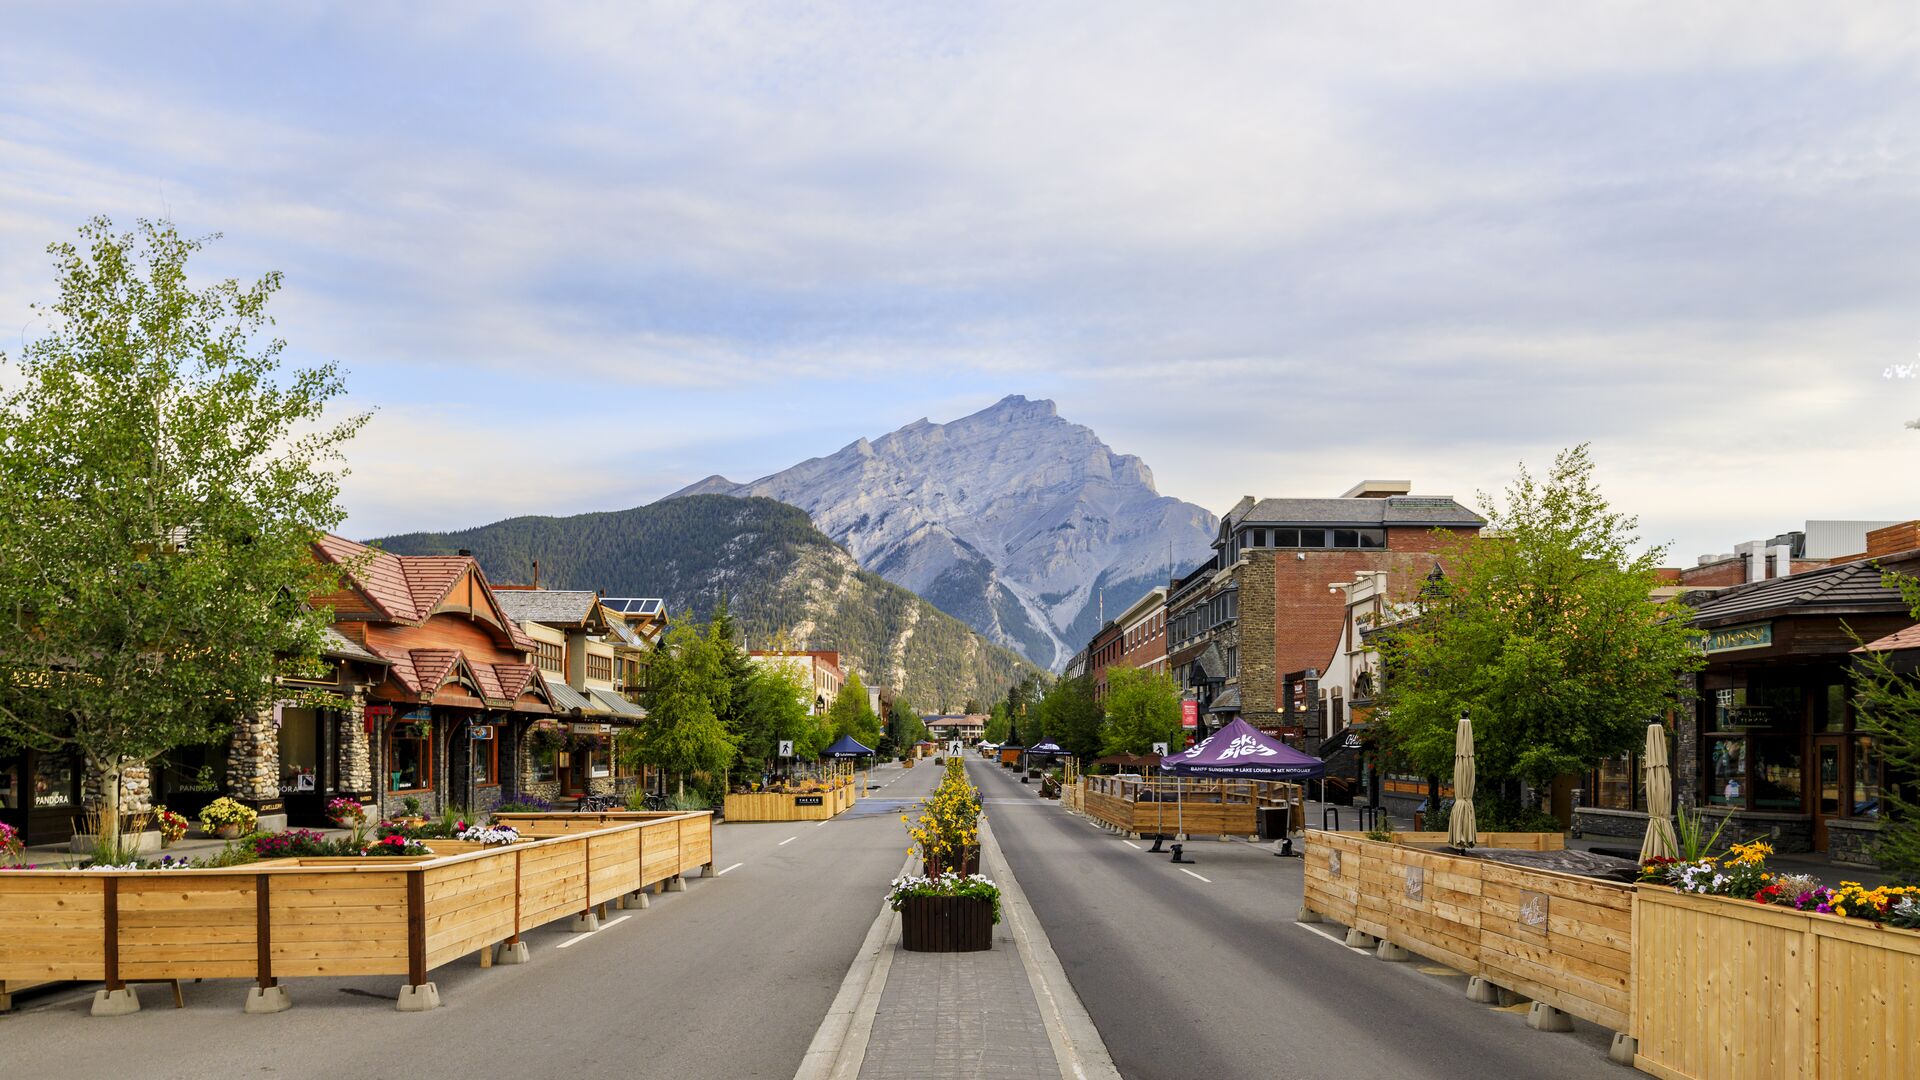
(787, 841)
(735, 866)
(1191, 874)
(1132, 845)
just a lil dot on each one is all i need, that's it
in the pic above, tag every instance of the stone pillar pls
(356, 758)
(253, 759)
(136, 789)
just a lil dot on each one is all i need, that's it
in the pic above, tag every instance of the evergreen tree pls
(1143, 708)
(1888, 706)
(852, 714)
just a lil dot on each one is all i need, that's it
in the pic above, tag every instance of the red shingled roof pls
(406, 588)
(1898, 641)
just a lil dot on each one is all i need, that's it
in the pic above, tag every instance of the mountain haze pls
(780, 575)
(1019, 522)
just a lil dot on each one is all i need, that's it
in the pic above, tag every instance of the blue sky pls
(579, 255)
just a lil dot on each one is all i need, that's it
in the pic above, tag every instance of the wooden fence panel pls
(553, 881)
(1333, 891)
(469, 905)
(177, 923)
(1869, 1001)
(616, 866)
(1422, 901)
(1559, 938)
(659, 852)
(329, 922)
(696, 842)
(52, 927)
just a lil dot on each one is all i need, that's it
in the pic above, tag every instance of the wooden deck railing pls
(287, 918)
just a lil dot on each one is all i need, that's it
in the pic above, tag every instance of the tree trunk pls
(107, 844)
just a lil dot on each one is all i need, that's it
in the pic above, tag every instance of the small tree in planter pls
(947, 832)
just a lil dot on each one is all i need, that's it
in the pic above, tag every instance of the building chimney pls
(465, 553)
(536, 573)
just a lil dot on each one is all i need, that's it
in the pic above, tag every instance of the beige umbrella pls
(1659, 841)
(1460, 827)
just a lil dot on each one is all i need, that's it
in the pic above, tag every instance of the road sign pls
(786, 748)
(1160, 749)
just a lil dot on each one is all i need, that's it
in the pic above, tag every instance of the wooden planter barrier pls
(1208, 808)
(782, 806)
(287, 918)
(946, 924)
(1724, 988)
(1563, 940)
(1518, 841)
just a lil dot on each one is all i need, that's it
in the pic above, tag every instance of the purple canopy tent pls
(1242, 751)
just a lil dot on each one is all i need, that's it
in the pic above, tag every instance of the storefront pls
(40, 795)
(1774, 744)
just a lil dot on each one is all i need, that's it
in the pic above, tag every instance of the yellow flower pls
(1838, 910)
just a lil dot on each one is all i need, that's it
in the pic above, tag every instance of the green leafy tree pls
(1544, 633)
(998, 725)
(1143, 708)
(773, 708)
(162, 481)
(1071, 716)
(1888, 705)
(972, 707)
(904, 726)
(689, 691)
(852, 714)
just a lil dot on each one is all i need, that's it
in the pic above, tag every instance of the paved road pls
(1212, 978)
(728, 979)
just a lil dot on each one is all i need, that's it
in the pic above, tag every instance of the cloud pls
(1259, 245)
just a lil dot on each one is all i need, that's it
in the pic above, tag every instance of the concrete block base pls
(1308, 916)
(511, 952)
(1358, 940)
(1544, 1017)
(1387, 950)
(1624, 1049)
(1482, 991)
(584, 924)
(706, 871)
(262, 1000)
(639, 900)
(121, 1002)
(419, 998)
(676, 883)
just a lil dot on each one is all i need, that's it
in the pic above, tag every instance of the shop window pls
(486, 759)
(545, 762)
(1833, 709)
(1866, 777)
(54, 781)
(1613, 783)
(9, 786)
(410, 758)
(1776, 773)
(299, 749)
(1727, 771)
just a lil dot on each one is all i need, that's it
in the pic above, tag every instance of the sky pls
(576, 256)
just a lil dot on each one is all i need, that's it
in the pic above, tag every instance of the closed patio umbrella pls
(1460, 825)
(1660, 840)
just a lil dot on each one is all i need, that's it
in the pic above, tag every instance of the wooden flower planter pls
(946, 924)
(286, 918)
(781, 806)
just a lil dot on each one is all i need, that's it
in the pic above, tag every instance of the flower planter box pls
(946, 924)
(1726, 989)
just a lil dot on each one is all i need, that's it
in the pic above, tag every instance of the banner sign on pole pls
(1190, 714)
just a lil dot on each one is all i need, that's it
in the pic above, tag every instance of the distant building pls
(968, 727)
(1250, 629)
(819, 668)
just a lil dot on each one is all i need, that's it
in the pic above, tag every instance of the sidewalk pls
(1007, 1012)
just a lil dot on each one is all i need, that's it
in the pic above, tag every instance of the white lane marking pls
(787, 841)
(1131, 844)
(1342, 942)
(1190, 873)
(578, 938)
(735, 866)
(823, 824)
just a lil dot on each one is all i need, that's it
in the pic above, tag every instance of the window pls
(1286, 538)
(1613, 784)
(299, 749)
(552, 657)
(599, 667)
(1727, 771)
(1346, 538)
(1259, 538)
(409, 757)
(544, 761)
(9, 786)
(1313, 538)
(486, 759)
(1776, 772)
(1866, 777)
(53, 781)
(1373, 538)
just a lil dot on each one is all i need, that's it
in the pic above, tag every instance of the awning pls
(568, 700)
(847, 746)
(618, 706)
(1240, 749)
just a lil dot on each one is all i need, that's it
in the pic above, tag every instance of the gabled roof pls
(550, 607)
(407, 588)
(335, 643)
(1843, 589)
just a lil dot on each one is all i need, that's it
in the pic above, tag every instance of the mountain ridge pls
(1011, 518)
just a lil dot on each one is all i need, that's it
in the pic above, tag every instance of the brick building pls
(1250, 629)
(1137, 638)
